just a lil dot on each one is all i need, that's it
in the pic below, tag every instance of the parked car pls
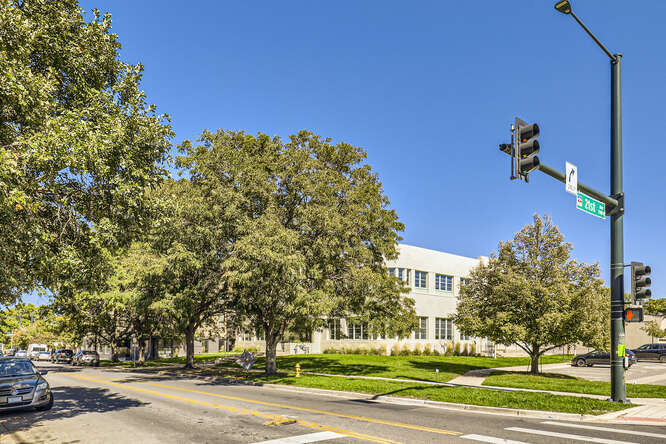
(23, 386)
(35, 349)
(21, 353)
(44, 356)
(11, 351)
(599, 357)
(86, 357)
(651, 351)
(62, 355)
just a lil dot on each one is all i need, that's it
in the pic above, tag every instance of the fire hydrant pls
(298, 370)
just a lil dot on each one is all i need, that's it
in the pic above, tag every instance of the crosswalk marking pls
(303, 439)
(605, 429)
(567, 436)
(491, 439)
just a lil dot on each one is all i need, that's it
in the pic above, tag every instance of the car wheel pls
(580, 363)
(662, 358)
(46, 406)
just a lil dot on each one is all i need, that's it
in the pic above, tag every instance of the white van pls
(35, 349)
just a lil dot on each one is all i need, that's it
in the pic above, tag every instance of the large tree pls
(79, 145)
(309, 232)
(655, 307)
(193, 238)
(531, 293)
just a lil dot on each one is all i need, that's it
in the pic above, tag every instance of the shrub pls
(465, 351)
(456, 350)
(435, 352)
(473, 351)
(405, 350)
(427, 350)
(395, 350)
(331, 351)
(417, 350)
(449, 349)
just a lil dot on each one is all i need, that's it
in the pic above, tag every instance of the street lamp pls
(618, 390)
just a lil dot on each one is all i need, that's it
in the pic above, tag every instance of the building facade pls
(434, 279)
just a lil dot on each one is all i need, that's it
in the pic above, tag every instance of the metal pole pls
(618, 389)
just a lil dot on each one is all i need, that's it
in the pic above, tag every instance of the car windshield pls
(16, 368)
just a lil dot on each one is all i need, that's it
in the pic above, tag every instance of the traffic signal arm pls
(611, 203)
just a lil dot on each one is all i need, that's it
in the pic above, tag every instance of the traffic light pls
(523, 149)
(526, 148)
(639, 281)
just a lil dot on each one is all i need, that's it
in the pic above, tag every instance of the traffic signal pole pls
(618, 389)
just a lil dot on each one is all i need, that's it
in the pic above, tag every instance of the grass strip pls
(460, 395)
(564, 383)
(419, 368)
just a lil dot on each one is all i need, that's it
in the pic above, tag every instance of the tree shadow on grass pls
(542, 375)
(68, 403)
(320, 364)
(444, 366)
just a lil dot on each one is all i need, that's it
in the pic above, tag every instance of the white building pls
(434, 279)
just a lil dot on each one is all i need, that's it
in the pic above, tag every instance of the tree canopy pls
(79, 145)
(531, 293)
(308, 230)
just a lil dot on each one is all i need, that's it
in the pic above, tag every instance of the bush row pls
(405, 350)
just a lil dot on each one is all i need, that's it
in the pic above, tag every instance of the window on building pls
(444, 329)
(392, 271)
(334, 329)
(422, 331)
(465, 337)
(357, 330)
(443, 282)
(420, 279)
(400, 273)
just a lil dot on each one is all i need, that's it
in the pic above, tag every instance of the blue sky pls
(429, 90)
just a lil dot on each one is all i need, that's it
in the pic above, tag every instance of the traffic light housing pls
(526, 148)
(523, 149)
(640, 282)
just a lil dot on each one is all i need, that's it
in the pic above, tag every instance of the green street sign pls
(591, 205)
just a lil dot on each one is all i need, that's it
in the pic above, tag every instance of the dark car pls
(599, 357)
(651, 352)
(62, 355)
(86, 357)
(23, 386)
(11, 351)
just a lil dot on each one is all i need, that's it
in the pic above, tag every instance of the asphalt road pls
(106, 406)
(643, 372)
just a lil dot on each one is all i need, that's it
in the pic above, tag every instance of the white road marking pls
(605, 429)
(568, 436)
(491, 439)
(303, 439)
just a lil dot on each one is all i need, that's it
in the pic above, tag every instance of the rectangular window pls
(420, 279)
(422, 331)
(334, 330)
(401, 273)
(357, 330)
(444, 329)
(443, 282)
(392, 271)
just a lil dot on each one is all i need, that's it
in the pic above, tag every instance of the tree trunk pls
(189, 346)
(534, 366)
(114, 355)
(271, 353)
(142, 350)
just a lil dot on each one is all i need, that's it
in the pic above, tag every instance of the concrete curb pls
(609, 418)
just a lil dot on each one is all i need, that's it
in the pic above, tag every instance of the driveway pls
(643, 372)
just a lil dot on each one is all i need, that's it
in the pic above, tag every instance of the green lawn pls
(403, 367)
(461, 395)
(564, 383)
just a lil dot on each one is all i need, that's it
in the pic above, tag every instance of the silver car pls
(23, 386)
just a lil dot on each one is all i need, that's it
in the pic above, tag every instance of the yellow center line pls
(293, 407)
(276, 418)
